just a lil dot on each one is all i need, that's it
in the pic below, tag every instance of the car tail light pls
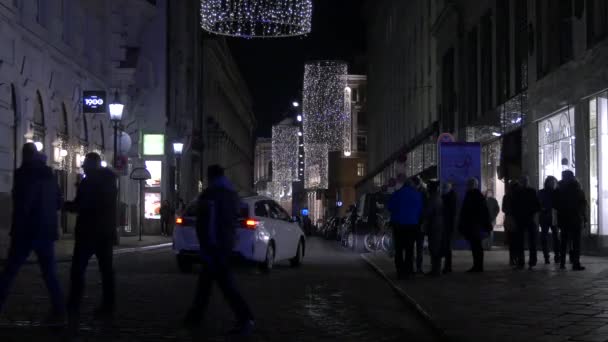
(179, 220)
(250, 224)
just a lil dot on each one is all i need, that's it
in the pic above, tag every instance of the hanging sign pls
(94, 102)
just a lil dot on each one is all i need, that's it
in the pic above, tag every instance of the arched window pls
(103, 136)
(64, 120)
(39, 111)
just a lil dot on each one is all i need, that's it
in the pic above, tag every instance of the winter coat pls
(434, 221)
(474, 214)
(217, 214)
(166, 212)
(450, 209)
(493, 208)
(507, 209)
(95, 204)
(546, 197)
(525, 205)
(405, 206)
(571, 205)
(36, 200)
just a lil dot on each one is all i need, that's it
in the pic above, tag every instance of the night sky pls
(274, 68)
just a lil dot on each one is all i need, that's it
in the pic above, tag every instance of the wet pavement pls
(333, 297)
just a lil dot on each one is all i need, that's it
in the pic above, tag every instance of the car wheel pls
(184, 264)
(297, 260)
(268, 263)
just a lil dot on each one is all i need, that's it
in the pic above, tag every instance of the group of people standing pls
(434, 211)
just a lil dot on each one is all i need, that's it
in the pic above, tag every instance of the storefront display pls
(155, 167)
(152, 205)
(490, 184)
(598, 177)
(556, 137)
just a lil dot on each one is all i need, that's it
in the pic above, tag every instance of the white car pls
(266, 233)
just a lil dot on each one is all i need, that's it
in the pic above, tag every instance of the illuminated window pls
(154, 144)
(360, 169)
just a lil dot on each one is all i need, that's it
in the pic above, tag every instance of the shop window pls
(598, 176)
(556, 144)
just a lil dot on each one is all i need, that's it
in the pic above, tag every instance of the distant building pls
(262, 171)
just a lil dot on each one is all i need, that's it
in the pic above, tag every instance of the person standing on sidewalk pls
(571, 205)
(525, 208)
(546, 220)
(420, 187)
(166, 214)
(405, 206)
(434, 226)
(474, 221)
(449, 200)
(36, 201)
(217, 215)
(494, 210)
(509, 223)
(95, 233)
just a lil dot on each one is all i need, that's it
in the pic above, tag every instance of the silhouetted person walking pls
(95, 232)
(405, 206)
(509, 222)
(215, 226)
(434, 226)
(474, 221)
(166, 214)
(571, 205)
(525, 208)
(494, 210)
(36, 200)
(420, 187)
(450, 211)
(547, 220)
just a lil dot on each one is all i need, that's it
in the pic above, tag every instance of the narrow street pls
(334, 297)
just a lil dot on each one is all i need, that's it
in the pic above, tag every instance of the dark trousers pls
(571, 237)
(217, 269)
(544, 240)
(164, 226)
(477, 251)
(419, 247)
(530, 229)
(446, 248)
(404, 237)
(512, 242)
(83, 251)
(17, 256)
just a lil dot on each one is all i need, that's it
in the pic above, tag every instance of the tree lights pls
(324, 118)
(257, 18)
(284, 159)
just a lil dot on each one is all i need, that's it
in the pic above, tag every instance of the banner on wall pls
(458, 162)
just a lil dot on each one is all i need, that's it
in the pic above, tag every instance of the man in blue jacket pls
(405, 206)
(36, 200)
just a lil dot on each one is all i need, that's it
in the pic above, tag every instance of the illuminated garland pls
(284, 160)
(257, 18)
(325, 118)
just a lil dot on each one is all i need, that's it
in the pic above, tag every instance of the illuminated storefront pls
(598, 166)
(153, 151)
(556, 137)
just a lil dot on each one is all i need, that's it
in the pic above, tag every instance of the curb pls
(407, 299)
(118, 251)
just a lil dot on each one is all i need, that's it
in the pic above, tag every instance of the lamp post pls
(116, 109)
(178, 147)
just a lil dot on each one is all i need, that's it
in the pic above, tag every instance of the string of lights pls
(257, 18)
(285, 156)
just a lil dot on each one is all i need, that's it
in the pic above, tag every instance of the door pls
(286, 230)
(261, 211)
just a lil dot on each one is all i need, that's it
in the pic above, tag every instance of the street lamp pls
(178, 148)
(299, 118)
(295, 104)
(116, 109)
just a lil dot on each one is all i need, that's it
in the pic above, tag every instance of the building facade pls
(524, 78)
(262, 171)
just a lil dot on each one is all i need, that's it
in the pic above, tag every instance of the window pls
(521, 45)
(486, 62)
(554, 34)
(277, 212)
(361, 143)
(360, 169)
(597, 21)
(473, 72)
(502, 50)
(448, 101)
(260, 209)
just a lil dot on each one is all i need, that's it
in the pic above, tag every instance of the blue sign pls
(339, 204)
(304, 212)
(458, 162)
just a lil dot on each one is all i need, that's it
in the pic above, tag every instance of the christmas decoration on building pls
(257, 18)
(347, 131)
(284, 160)
(325, 118)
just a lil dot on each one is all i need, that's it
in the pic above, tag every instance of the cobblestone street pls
(546, 304)
(334, 297)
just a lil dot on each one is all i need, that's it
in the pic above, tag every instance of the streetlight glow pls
(299, 118)
(39, 145)
(347, 153)
(178, 147)
(63, 153)
(295, 104)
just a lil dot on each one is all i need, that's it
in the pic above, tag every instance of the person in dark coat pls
(546, 220)
(405, 206)
(509, 222)
(166, 215)
(571, 205)
(474, 221)
(525, 208)
(434, 226)
(95, 232)
(420, 186)
(494, 210)
(36, 200)
(449, 200)
(217, 213)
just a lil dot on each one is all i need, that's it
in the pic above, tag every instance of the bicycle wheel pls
(369, 241)
(387, 242)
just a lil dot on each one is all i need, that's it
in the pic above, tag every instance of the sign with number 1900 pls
(94, 102)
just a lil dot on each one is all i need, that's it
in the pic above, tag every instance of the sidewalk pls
(65, 246)
(501, 304)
